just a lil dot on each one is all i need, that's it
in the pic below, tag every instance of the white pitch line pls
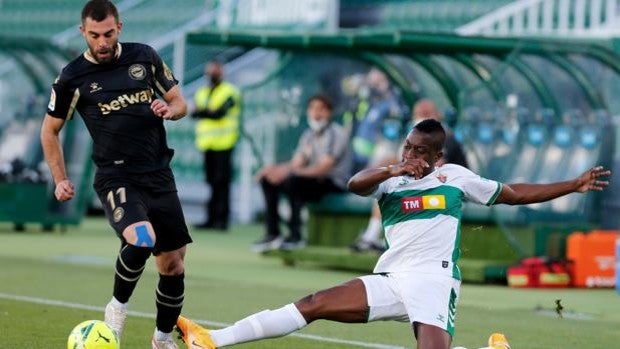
(140, 314)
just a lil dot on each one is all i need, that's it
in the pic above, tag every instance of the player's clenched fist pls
(409, 167)
(161, 109)
(64, 190)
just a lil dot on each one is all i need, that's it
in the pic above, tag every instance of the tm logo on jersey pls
(426, 202)
(123, 101)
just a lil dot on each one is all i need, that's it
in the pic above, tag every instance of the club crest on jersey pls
(420, 203)
(403, 181)
(94, 87)
(137, 72)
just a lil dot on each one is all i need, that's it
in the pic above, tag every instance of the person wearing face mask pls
(320, 165)
(217, 132)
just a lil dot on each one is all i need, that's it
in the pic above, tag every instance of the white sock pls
(373, 231)
(160, 336)
(117, 304)
(266, 324)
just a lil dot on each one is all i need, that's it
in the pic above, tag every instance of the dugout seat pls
(533, 141)
(554, 166)
(591, 148)
(509, 133)
(529, 144)
(466, 132)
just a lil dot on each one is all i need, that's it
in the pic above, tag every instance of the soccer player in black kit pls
(113, 86)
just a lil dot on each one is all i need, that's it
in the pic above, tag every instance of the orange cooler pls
(594, 258)
(618, 264)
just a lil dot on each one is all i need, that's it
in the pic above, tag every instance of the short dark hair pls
(432, 127)
(99, 10)
(323, 98)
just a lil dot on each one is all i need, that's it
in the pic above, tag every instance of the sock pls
(169, 298)
(116, 303)
(162, 336)
(266, 324)
(129, 266)
(373, 231)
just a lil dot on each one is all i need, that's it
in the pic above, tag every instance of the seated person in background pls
(320, 165)
(453, 150)
(371, 238)
(383, 103)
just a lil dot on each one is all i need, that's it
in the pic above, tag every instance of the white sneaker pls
(115, 318)
(268, 243)
(165, 343)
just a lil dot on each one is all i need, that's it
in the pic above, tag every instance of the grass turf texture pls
(225, 282)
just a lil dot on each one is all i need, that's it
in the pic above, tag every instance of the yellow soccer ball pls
(92, 334)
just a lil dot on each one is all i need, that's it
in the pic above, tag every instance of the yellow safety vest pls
(217, 134)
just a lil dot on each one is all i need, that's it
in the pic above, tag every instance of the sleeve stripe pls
(161, 89)
(495, 195)
(76, 97)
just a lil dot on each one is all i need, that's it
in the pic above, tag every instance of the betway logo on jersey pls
(426, 202)
(123, 101)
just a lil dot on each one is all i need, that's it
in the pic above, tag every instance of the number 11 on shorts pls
(122, 197)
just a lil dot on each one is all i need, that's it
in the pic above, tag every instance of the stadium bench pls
(337, 219)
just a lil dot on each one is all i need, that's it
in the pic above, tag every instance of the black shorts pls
(152, 197)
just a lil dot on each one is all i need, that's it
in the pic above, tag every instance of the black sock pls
(169, 300)
(129, 266)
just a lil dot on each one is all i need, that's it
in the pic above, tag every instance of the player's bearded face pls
(102, 38)
(104, 53)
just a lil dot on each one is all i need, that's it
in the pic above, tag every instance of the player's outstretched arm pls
(526, 193)
(50, 141)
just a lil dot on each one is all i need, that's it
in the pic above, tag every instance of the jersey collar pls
(92, 59)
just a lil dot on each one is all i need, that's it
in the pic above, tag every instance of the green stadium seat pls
(343, 203)
(434, 16)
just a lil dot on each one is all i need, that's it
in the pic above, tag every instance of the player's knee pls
(174, 267)
(312, 306)
(171, 263)
(140, 234)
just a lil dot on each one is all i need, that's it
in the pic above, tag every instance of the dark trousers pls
(218, 171)
(298, 190)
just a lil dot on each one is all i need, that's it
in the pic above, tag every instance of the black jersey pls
(114, 100)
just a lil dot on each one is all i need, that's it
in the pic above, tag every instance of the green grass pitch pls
(51, 282)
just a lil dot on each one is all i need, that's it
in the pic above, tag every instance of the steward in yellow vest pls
(218, 108)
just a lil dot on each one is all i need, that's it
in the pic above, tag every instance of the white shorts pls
(415, 297)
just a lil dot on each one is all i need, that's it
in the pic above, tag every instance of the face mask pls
(375, 92)
(215, 79)
(316, 125)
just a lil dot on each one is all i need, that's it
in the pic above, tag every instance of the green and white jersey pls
(422, 218)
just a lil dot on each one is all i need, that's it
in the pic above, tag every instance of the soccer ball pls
(92, 334)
